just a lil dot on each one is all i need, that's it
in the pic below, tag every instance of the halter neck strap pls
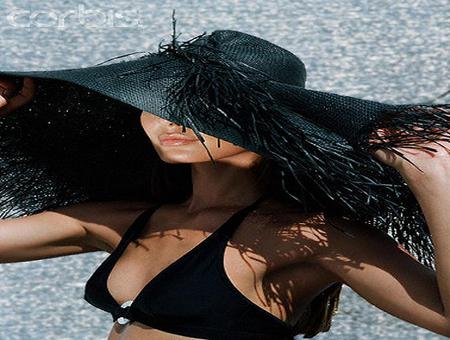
(236, 219)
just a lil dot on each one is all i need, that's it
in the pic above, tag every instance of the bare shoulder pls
(290, 217)
(291, 239)
(287, 226)
(322, 240)
(106, 222)
(325, 232)
(333, 233)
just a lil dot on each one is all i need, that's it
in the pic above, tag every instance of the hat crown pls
(278, 63)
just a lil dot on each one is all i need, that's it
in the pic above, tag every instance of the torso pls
(266, 259)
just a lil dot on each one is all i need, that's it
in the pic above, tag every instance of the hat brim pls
(314, 136)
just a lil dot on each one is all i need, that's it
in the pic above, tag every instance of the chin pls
(174, 160)
(171, 161)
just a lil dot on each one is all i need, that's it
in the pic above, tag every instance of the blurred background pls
(391, 51)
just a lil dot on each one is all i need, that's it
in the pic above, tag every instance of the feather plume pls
(214, 94)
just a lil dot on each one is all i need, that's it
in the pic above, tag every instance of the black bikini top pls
(193, 296)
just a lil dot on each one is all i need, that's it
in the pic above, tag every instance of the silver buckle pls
(121, 320)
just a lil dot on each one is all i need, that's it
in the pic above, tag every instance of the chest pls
(257, 263)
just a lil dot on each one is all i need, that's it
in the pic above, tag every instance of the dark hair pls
(171, 183)
(320, 311)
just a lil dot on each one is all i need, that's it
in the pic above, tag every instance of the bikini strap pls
(137, 225)
(228, 228)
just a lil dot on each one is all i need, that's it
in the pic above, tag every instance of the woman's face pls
(193, 151)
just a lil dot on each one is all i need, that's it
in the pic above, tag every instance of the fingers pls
(6, 92)
(3, 101)
(3, 104)
(6, 89)
(27, 92)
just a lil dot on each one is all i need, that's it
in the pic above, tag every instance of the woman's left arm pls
(431, 188)
(433, 196)
(382, 271)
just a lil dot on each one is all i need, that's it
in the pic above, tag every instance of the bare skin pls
(300, 254)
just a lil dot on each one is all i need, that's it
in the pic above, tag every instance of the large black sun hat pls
(80, 137)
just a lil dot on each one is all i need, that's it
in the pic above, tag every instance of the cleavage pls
(166, 245)
(153, 249)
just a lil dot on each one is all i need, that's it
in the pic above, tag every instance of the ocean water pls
(380, 50)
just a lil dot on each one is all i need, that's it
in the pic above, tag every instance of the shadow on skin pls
(270, 239)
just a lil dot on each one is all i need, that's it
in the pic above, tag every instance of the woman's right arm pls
(75, 229)
(43, 235)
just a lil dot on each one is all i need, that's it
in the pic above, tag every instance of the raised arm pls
(75, 229)
(380, 270)
(44, 235)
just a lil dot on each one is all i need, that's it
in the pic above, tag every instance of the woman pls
(286, 285)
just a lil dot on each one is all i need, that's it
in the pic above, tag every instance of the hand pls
(9, 101)
(433, 164)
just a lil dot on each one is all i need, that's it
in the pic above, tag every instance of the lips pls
(175, 137)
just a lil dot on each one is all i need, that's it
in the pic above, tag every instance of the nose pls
(175, 127)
